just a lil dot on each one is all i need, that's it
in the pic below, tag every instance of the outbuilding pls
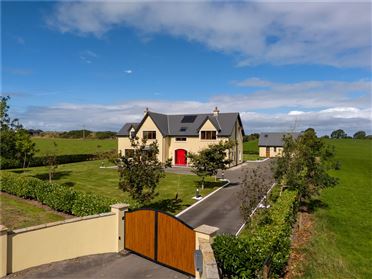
(271, 144)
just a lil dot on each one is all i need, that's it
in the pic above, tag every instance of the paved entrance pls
(222, 209)
(111, 265)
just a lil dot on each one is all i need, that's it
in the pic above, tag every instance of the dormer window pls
(208, 135)
(132, 134)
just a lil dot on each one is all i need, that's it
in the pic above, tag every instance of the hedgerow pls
(268, 243)
(58, 197)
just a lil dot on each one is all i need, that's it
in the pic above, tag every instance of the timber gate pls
(160, 237)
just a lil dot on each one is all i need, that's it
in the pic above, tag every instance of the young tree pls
(208, 161)
(305, 163)
(338, 134)
(25, 147)
(51, 161)
(141, 171)
(360, 135)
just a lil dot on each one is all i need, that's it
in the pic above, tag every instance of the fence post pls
(119, 210)
(3, 250)
(203, 239)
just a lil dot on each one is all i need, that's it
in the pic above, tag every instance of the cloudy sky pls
(283, 66)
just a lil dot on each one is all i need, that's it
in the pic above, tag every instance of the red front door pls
(181, 157)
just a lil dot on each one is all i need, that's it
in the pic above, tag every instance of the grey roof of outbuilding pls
(124, 131)
(172, 125)
(274, 139)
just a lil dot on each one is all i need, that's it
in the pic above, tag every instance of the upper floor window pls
(180, 139)
(149, 134)
(208, 135)
(132, 134)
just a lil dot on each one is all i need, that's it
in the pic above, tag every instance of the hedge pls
(58, 197)
(39, 161)
(268, 243)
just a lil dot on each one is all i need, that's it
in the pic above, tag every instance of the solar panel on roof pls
(188, 119)
(183, 129)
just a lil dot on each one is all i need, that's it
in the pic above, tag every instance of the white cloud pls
(330, 33)
(88, 56)
(128, 72)
(323, 105)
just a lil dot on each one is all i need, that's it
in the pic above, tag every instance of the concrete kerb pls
(257, 161)
(203, 199)
(254, 210)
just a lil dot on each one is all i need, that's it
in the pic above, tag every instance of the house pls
(179, 134)
(271, 144)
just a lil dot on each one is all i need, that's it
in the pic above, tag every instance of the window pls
(129, 153)
(149, 134)
(274, 149)
(208, 135)
(132, 134)
(183, 129)
(180, 139)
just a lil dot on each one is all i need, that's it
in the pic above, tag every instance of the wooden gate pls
(160, 237)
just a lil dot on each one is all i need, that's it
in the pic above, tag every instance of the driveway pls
(111, 265)
(222, 209)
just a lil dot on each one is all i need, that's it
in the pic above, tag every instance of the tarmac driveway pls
(110, 265)
(222, 209)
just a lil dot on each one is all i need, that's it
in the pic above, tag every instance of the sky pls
(96, 65)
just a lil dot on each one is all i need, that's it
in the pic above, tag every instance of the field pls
(89, 177)
(74, 146)
(250, 150)
(17, 213)
(342, 242)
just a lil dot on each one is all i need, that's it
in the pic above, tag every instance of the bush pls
(58, 197)
(88, 204)
(267, 243)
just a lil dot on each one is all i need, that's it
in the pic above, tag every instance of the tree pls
(209, 160)
(360, 135)
(140, 171)
(338, 134)
(15, 142)
(305, 163)
(51, 161)
(24, 145)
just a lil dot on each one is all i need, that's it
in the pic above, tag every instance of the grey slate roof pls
(173, 125)
(274, 139)
(124, 131)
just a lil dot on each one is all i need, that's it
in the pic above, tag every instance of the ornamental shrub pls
(58, 197)
(267, 243)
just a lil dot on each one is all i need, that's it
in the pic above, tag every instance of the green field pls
(89, 177)
(74, 146)
(342, 243)
(17, 213)
(250, 150)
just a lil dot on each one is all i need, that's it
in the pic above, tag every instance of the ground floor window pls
(129, 153)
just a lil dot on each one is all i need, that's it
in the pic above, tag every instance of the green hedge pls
(58, 197)
(268, 242)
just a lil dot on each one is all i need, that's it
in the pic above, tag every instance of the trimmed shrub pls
(88, 204)
(268, 243)
(58, 197)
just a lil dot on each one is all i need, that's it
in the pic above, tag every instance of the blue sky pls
(100, 64)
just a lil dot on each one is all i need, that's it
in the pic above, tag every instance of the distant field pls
(250, 150)
(89, 177)
(74, 146)
(342, 243)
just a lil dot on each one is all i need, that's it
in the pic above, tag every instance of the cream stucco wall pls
(168, 145)
(61, 240)
(273, 153)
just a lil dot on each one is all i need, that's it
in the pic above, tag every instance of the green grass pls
(342, 242)
(88, 177)
(250, 150)
(16, 213)
(74, 146)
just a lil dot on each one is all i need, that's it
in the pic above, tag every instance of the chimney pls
(145, 111)
(216, 111)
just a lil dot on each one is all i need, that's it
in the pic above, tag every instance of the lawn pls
(250, 150)
(89, 177)
(17, 213)
(74, 146)
(342, 242)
